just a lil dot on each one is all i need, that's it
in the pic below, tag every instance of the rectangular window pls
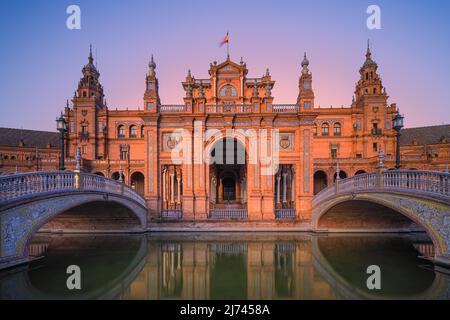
(72, 126)
(333, 153)
(358, 156)
(358, 124)
(84, 149)
(255, 107)
(267, 106)
(307, 105)
(375, 147)
(200, 107)
(188, 107)
(124, 152)
(123, 155)
(150, 106)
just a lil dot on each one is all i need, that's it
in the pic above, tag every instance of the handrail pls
(27, 185)
(427, 182)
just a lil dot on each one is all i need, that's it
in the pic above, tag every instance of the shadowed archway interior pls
(94, 216)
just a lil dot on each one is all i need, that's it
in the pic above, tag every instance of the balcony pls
(228, 108)
(233, 214)
(376, 132)
(285, 213)
(172, 214)
(171, 108)
(285, 108)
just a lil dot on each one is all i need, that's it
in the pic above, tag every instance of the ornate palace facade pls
(138, 145)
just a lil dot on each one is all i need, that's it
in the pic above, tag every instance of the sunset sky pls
(41, 60)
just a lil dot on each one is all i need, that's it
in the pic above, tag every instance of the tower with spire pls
(88, 118)
(151, 95)
(370, 83)
(371, 113)
(305, 99)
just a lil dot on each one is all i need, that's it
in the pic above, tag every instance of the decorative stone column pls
(278, 188)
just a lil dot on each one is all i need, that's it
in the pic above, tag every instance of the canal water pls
(227, 266)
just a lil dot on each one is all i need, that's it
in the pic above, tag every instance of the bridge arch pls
(29, 201)
(421, 196)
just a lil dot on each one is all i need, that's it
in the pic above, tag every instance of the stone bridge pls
(29, 201)
(421, 196)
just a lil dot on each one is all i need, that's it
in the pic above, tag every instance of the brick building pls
(227, 116)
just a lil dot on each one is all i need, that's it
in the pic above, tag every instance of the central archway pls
(227, 174)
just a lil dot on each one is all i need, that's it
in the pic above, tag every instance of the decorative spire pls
(368, 53)
(305, 64)
(152, 67)
(91, 59)
(267, 72)
(189, 73)
(369, 62)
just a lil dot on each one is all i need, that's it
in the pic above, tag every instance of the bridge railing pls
(27, 185)
(425, 182)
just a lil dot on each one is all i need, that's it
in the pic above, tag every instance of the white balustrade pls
(171, 108)
(426, 182)
(28, 185)
(285, 108)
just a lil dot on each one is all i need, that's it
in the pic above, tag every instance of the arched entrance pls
(320, 181)
(227, 173)
(360, 172)
(137, 182)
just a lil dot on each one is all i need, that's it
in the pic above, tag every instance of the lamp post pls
(398, 125)
(61, 126)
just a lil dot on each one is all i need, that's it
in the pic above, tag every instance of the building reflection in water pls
(172, 274)
(229, 270)
(229, 266)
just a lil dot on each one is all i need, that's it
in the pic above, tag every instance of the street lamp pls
(398, 125)
(61, 126)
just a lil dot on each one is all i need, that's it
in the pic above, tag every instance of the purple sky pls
(41, 60)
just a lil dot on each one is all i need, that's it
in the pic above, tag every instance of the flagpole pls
(228, 45)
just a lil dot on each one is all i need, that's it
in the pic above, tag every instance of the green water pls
(227, 266)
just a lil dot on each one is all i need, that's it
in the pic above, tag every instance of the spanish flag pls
(225, 40)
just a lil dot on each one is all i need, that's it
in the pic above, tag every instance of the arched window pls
(121, 131)
(142, 131)
(337, 129)
(325, 129)
(133, 131)
(315, 130)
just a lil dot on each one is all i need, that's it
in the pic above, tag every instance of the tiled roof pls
(31, 138)
(425, 135)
